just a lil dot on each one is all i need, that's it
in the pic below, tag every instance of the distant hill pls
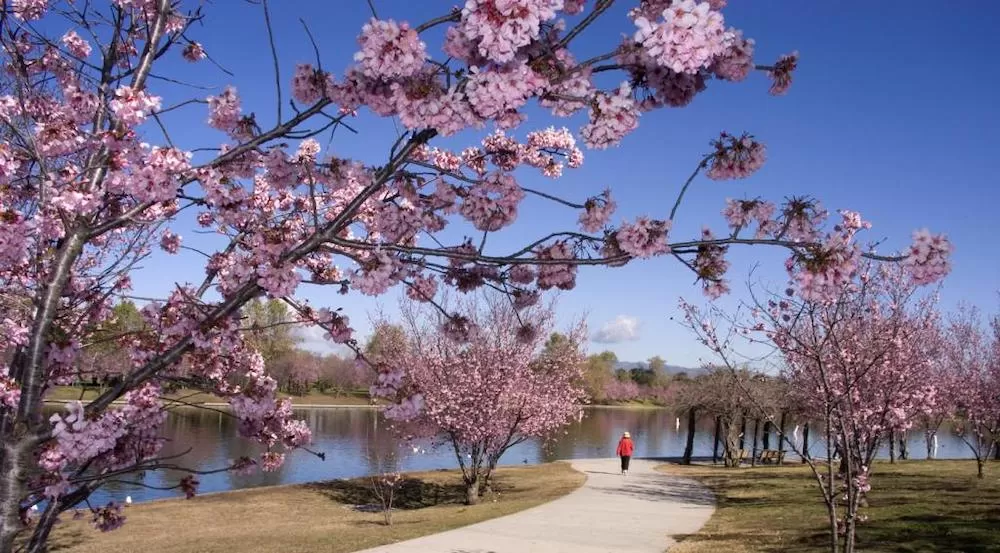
(671, 369)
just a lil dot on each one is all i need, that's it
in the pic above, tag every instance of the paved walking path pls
(608, 514)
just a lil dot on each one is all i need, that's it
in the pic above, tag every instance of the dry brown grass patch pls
(315, 517)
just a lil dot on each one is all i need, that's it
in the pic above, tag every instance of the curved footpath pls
(610, 513)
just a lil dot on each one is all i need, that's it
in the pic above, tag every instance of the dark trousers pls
(625, 460)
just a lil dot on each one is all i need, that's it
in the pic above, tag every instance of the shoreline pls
(226, 405)
(351, 406)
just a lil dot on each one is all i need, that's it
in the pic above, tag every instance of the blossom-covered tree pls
(92, 182)
(973, 354)
(858, 362)
(487, 388)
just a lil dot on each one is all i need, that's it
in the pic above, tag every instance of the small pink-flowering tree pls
(343, 375)
(858, 361)
(482, 381)
(296, 371)
(92, 182)
(943, 372)
(621, 390)
(973, 353)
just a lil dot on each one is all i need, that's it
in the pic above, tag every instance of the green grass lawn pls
(914, 507)
(314, 517)
(64, 393)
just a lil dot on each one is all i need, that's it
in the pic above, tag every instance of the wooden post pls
(715, 442)
(805, 442)
(743, 431)
(753, 453)
(781, 437)
(689, 446)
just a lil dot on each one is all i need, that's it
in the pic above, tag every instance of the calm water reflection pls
(358, 442)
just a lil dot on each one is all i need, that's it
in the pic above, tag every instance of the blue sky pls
(891, 114)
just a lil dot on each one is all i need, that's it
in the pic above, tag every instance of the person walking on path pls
(625, 448)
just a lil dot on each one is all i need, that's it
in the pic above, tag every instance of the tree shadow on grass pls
(411, 494)
(67, 539)
(931, 533)
(663, 488)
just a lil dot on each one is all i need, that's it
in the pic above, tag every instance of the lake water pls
(357, 442)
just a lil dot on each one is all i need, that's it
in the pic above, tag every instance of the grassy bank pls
(315, 517)
(915, 506)
(69, 393)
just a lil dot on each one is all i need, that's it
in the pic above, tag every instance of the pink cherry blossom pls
(501, 27)
(425, 103)
(687, 38)
(133, 106)
(492, 204)
(28, 10)
(108, 518)
(308, 84)
(928, 259)
(597, 211)
(423, 288)
(557, 275)
(735, 157)
(76, 45)
(189, 485)
(710, 264)
(389, 50)
(644, 238)
(740, 213)
(573, 7)
(522, 274)
(497, 92)
(735, 62)
(611, 118)
(781, 73)
(225, 110)
(194, 52)
(170, 242)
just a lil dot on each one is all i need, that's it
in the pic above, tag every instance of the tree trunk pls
(892, 446)
(472, 492)
(12, 481)
(689, 446)
(753, 452)
(781, 436)
(743, 431)
(929, 439)
(805, 443)
(39, 542)
(715, 443)
(979, 468)
(904, 447)
(766, 436)
(996, 451)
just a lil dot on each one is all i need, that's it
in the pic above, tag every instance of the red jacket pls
(625, 447)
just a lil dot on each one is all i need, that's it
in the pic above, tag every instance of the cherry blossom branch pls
(599, 8)
(452, 17)
(274, 56)
(687, 183)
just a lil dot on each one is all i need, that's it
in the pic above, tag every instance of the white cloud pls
(312, 338)
(622, 329)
